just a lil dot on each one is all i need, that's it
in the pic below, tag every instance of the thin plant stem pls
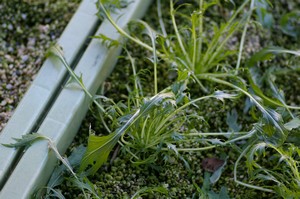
(191, 149)
(128, 36)
(137, 97)
(250, 134)
(200, 30)
(200, 83)
(143, 131)
(52, 145)
(177, 33)
(215, 41)
(211, 77)
(155, 67)
(126, 148)
(56, 51)
(194, 38)
(161, 23)
(213, 134)
(243, 183)
(288, 161)
(243, 37)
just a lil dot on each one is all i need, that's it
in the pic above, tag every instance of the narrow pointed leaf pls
(217, 174)
(267, 53)
(260, 93)
(231, 120)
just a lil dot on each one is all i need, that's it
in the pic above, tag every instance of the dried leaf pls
(212, 164)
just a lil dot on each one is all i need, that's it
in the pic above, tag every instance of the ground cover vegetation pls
(27, 29)
(211, 113)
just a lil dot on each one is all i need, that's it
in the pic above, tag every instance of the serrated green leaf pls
(108, 42)
(26, 140)
(256, 79)
(74, 160)
(85, 184)
(223, 193)
(173, 148)
(215, 141)
(289, 24)
(97, 151)
(154, 101)
(293, 124)
(183, 75)
(257, 148)
(259, 92)
(231, 121)
(264, 17)
(51, 193)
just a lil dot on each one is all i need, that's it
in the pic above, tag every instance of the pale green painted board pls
(46, 83)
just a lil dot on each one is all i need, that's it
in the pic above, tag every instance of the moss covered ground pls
(27, 29)
(183, 175)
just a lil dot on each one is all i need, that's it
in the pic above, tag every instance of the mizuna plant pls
(150, 127)
(205, 57)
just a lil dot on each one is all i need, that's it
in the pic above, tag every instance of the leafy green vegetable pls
(157, 127)
(26, 140)
(289, 24)
(263, 15)
(293, 124)
(231, 121)
(99, 147)
(98, 151)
